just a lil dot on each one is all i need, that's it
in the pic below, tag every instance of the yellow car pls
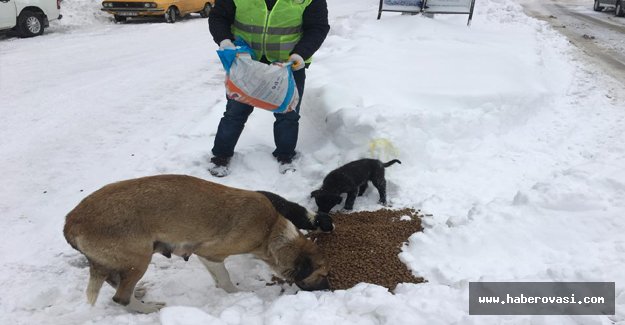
(171, 10)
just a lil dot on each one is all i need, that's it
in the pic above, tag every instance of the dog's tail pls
(391, 162)
(97, 276)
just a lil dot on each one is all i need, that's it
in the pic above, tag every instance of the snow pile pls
(78, 14)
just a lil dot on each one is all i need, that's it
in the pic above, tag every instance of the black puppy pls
(353, 179)
(298, 215)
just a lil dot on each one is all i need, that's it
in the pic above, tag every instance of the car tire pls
(597, 7)
(171, 15)
(29, 24)
(619, 11)
(207, 8)
(120, 19)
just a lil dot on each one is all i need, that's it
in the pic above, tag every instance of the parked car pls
(28, 17)
(619, 11)
(171, 10)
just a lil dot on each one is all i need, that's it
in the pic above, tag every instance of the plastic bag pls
(267, 86)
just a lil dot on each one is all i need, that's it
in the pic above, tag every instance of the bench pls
(462, 7)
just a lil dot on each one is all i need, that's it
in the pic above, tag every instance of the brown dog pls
(121, 225)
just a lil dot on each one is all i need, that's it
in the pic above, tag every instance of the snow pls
(509, 141)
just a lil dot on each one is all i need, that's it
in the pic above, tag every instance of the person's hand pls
(227, 45)
(298, 61)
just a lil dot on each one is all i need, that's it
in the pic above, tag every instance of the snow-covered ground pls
(506, 136)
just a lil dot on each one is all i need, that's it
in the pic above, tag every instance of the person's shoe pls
(219, 166)
(285, 164)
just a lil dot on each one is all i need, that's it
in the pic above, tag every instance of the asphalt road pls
(600, 35)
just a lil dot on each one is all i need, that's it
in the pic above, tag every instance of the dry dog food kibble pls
(364, 247)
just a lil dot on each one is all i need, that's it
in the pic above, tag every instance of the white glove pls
(227, 45)
(298, 61)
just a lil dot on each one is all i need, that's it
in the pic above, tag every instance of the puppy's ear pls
(315, 193)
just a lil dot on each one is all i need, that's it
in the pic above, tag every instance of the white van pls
(619, 11)
(28, 17)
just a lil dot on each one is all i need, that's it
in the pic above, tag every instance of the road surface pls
(600, 35)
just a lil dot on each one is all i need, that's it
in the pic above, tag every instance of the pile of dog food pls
(364, 247)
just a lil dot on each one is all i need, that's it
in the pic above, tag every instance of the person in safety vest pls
(276, 30)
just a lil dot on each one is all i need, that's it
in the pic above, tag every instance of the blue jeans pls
(285, 127)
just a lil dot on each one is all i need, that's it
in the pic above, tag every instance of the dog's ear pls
(315, 193)
(303, 267)
(289, 260)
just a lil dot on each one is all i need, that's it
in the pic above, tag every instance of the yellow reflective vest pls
(273, 33)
